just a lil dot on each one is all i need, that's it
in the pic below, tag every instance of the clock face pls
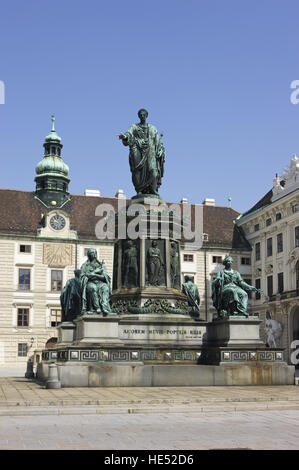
(57, 222)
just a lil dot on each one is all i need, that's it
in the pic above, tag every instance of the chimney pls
(120, 194)
(209, 202)
(92, 192)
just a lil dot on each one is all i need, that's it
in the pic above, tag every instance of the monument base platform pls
(111, 374)
(163, 351)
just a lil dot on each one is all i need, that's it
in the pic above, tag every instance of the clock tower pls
(52, 173)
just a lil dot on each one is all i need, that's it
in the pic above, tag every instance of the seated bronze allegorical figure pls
(95, 284)
(229, 291)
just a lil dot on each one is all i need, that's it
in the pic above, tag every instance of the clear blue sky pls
(214, 75)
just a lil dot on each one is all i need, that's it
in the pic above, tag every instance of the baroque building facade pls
(44, 237)
(272, 228)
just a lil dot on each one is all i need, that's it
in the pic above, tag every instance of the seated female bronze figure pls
(229, 291)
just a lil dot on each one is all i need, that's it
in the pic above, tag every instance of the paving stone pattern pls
(175, 431)
(159, 418)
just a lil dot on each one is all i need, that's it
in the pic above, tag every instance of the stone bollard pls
(29, 372)
(52, 381)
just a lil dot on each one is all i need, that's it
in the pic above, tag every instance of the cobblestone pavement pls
(175, 431)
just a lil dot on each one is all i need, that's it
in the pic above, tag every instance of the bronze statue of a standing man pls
(147, 155)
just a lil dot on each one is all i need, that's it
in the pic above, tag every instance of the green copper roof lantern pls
(53, 136)
(52, 172)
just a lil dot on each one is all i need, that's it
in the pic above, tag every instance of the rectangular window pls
(269, 247)
(25, 248)
(85, 251)
(295, 208)
(188, 258)
(55, 317)
(268, 222)
(22, 349)
(278, 216)
(256, 227)
(217, 259)
(296, 236)
(23, 316)
(257, 251)
(270, 286)
(24, 279)
(56, 280)
(279, 243)
(258, 286)
(280, 282)
(246, 261)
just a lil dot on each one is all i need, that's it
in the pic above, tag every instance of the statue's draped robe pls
(174, 265)
(229, 292)
(144, 159)
(191, 291)
(131, 266)
(95, 293)
(70, 300)
(154, 265)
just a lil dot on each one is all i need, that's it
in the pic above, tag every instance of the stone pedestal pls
(236, 340)
(66, 332)
(96, 329)
(146, 270)
(235, 331)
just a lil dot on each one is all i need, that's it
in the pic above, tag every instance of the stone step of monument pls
(146, 409)
(144, 402)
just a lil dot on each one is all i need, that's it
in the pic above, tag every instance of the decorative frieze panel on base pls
(124, 355)
(228, 355)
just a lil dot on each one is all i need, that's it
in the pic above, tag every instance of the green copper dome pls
(52, 164)
(52, 173)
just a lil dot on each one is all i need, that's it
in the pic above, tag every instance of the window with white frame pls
(25, 248)
(22, 349)
(56, 279)
(188, 258)
(23, 317)
(55, 317)
(24, 279)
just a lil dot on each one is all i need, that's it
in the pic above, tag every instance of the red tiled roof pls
(20, 213)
